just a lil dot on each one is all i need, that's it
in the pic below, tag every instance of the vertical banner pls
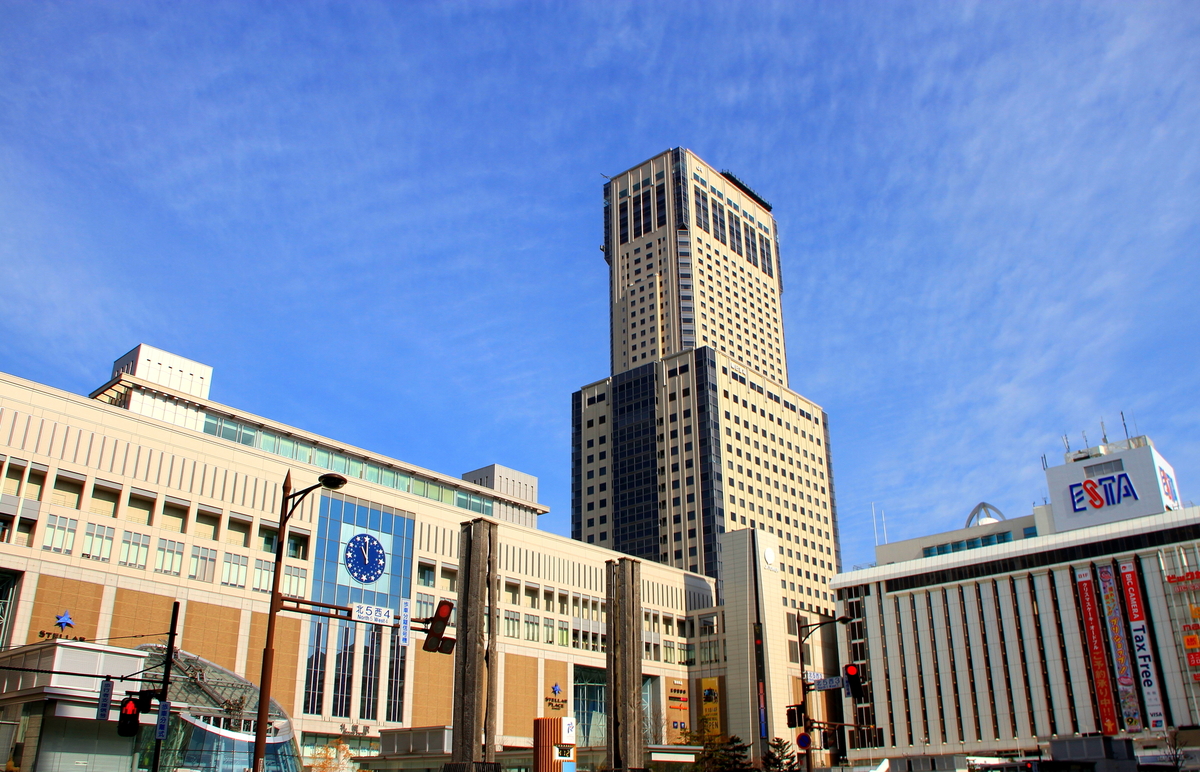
(1095, 641)
(1131, 709)
(1143, 655)
(710, 706)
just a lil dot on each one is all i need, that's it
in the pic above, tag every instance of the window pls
(139, 510)
(135, 548)
(174, 518)
(237, 533)
(104, 502)
(207, 525)
(60, 534)
(233, 570)
(532, 623)
(66, 493)
(669, 652)
(548, 630)
(564, 633)
(295, 582)
(168, 558)
(512, 624)
(425, 605)
(297, 546)
(204, 564)
(264, 574)
(425, 577)
(97, 542)
(268, 538)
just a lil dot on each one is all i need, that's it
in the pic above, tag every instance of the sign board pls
(104, 702)
(405, 621)
(164, 718)
(825, 684)
(1108, 488)
(803, 741)
(372, 615)
(568, 732)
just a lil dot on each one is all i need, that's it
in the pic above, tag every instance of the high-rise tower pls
(696, 432)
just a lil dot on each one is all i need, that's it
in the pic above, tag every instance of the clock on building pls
(365, 558)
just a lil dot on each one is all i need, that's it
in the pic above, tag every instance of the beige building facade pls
(116, 504)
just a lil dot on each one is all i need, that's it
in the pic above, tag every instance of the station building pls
(1001, 638)
(116, 504)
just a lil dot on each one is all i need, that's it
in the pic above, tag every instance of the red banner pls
(1095, 641)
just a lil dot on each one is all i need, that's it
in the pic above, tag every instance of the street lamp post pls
(842, 620)
(291, 500)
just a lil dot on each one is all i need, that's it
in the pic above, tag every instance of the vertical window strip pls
(987, 661)
(60, 534)
(637, 216)
(958, 720)
(368, 703)
(647, 213)
(912, 607)
(395, 681)
(623, 221)
(1003, 636)
(1021, 654)
(1043, 659)
(968, 648)
(937, 668)
(887, 676)
(134, 549)
(903, 671)
(314, 672)
(343, 670)
(751, 246)
(660, 203)
(168, 559)
(1062, 649)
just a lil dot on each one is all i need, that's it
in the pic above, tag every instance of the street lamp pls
(842, 620)
(330, 481)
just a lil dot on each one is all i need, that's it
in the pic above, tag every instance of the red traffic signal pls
(435, 635)
(853, 679)
(793, 716)
(129, 722)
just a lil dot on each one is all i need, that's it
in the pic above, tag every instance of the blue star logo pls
(63, 621)
(556, 689)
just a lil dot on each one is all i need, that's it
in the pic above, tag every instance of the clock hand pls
(363, 546)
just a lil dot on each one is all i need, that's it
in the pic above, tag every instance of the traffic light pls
(828, 739)
(794, 715)
(853, 677)
(145, 700)
(128, 722)
(435, 636)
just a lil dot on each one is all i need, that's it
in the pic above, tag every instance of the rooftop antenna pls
(1103, 431)
(1124, 424)
(1136, 430)
(1045, 466)
(874, 527)
(1066, 443)
(883, 517)
(1085, 442)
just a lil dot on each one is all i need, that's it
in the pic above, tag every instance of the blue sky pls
(380, 221)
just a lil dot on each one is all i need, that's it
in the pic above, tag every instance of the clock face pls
(365, 558)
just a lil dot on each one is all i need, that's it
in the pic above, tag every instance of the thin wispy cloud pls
(988, 214)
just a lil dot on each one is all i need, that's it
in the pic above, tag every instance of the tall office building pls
(696, 432)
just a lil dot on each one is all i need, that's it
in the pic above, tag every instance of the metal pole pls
(808, 753)
(166, 682)
(268, 657)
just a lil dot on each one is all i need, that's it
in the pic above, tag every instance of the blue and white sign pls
(825, 684)
(164, 720)
(405, 621)
(372, 615)
(104, 702)
(1117, 484)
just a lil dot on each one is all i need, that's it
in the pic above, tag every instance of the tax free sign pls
(1106, 489)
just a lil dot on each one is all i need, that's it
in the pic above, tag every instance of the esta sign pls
(1102, 492)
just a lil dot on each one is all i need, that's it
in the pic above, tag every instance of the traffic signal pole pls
(166, 682)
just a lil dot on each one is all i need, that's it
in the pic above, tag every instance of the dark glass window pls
(624, 221)
(637, 216)
(751, 245)
(660, 203)
(735, 233)
(719, 222)
(702, 209)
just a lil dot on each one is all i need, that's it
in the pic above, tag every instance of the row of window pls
(307, 453)
(99, 540)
